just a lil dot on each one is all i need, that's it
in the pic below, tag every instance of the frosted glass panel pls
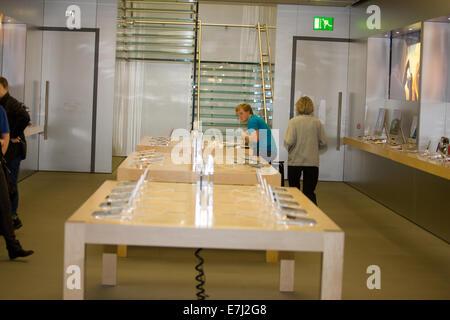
(151, 99)
(167, 99)
(235, 44)
(435, 110)
(321, 73)
(13, 60)
(377, 84)
(68, 65)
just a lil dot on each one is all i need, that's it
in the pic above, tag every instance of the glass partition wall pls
(435, 95)
(320, 73)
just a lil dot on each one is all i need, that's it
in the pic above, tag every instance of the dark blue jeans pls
(13, 166)
(310, 178)
(6, 223)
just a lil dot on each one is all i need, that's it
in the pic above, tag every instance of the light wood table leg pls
(287, 271)
(122, 251)
(332, 266)
(109, 265)
(271, 256)
(273, 180)
(74, 259)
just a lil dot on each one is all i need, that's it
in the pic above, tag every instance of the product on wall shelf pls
(413, 131)
(396, 121)
(396, 136)
(380, 122)
(412, 138)
(443, 146)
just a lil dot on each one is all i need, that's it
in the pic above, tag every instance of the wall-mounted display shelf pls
(430, 163)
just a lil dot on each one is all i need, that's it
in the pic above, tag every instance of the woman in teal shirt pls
(258, 133)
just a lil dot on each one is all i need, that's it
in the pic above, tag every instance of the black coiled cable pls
(201, 295)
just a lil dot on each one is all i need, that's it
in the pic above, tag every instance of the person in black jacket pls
(18, 119)
(15, 250)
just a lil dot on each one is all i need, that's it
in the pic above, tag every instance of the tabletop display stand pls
(158, 144)
(165, 168)
(233, 165)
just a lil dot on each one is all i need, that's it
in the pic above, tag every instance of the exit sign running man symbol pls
(323, 23)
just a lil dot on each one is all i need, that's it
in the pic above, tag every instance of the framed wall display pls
(405, 66)
(380, 122)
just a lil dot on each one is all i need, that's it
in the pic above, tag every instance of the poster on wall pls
(405, 67)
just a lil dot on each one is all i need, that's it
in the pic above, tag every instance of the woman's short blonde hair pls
(244, 106)
(304, 105)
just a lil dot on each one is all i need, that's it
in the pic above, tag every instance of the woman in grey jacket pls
(303, 139)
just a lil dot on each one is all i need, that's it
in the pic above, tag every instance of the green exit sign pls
(323, 23)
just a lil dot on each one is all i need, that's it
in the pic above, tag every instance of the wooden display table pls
(409, 159)
(168, 171)
(239, 221)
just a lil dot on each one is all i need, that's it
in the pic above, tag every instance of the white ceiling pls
(335, 3)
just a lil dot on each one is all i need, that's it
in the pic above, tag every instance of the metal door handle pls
(47, 85)
(338, 145)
